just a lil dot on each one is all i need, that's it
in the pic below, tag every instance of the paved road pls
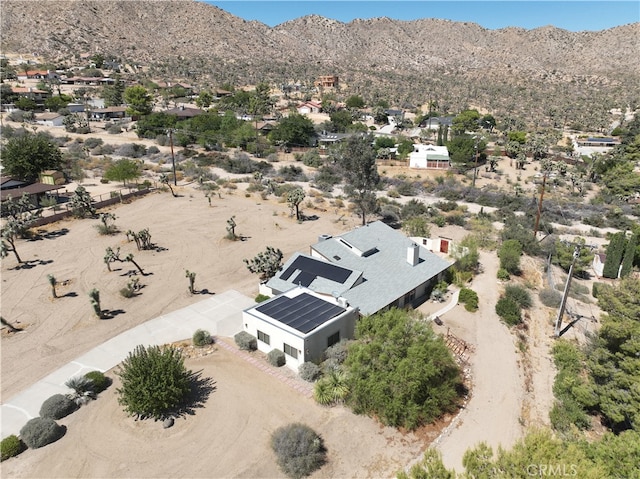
(220, 314)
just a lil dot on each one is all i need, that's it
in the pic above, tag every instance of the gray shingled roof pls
(302, 268)
(380, 252)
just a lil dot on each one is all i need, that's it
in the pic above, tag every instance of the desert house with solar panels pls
(318, 296)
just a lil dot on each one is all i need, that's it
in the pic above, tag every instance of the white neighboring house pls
(429, 156)
(50, 119)
(301, 323)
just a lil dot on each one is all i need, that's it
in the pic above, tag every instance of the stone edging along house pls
(318, 296)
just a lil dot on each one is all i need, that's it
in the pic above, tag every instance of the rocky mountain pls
(407, 60)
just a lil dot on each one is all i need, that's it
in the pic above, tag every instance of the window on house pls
(264, 337)
(291, 351)
(333, 339)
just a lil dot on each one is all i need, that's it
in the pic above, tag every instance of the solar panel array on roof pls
(303, 312)
(314, 268)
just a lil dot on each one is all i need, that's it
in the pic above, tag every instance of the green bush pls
(246, 341)
(154, 381)
(260, 298)
(509, 311)
(338, 351)
(469, 298)
(309, 371)
(519, 294)
(11, 446)
(550, 298)
(331, 388)
(597, 288)
(40, 431)
(99, 380)
(276, 358)
(299, 450)
(202, 338)
(503, 275)
(57, 407)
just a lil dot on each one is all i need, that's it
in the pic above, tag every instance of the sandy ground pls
(229, 437)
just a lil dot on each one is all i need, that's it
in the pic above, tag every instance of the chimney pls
(413, 254)
(323, 237)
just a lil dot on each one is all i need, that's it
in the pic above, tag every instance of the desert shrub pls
(92, 143)
(276, 358)
(99, 380)
(309, 371)
(154, 381)
(40, 431)
(439, 221)
(503, 274)
(509, 254)
(260, 298)
(57, 407)
(597, 288)
(80, 385)
(114, 129)
(246, 341)
(519, 294)
(299, 450)
(152, 150)
(470, 299)
(131, 150)
(509, 311)
(202, 338)
(550, 297)
(11, 446)
(312, 158)
(292, 173)
(338, 351)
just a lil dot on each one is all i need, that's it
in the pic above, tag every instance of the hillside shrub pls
(309, 371)
(246, 341)
(276, 358)
(338, 351)
(299, 450)
(40, 431)
(597, 288)
(509, 254)
(503, 275)
(99, 381)
(519, 294)
(57, 407)
(469, 298)
(202, 338)
(509, 311)
(11, 446)
(550, 297)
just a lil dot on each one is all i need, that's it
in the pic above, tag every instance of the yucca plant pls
(53, 282)
(332, 388)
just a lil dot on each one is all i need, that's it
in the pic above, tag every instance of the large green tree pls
(155, 382)
(25, 157)
(139, 101)
(466, 151)
(123, 170)
(356, 159)
(294, 130)
(399, 370)
(466, 121)
(615, 251)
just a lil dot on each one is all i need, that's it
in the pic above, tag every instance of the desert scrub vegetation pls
(309, 371)
(509, 311)
(276, 358)
(99, 382)
(155, 381)
(469, 298)
(202, 338)
(519, 294)
(403, 383)
(246, 341)
(57, 407)
(11, 446)
(299, 450)
(40, 431)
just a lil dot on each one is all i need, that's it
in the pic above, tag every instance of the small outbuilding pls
(430, 156)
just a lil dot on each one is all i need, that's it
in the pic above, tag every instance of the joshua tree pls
(9, 234)
(53, 282)
(192, 279)
(294, 198)
(107, 227)
(266, 263)
(82, 204)
(231, 229)
(164, 179)
(111, 256)
(94, 297)
(142, 239)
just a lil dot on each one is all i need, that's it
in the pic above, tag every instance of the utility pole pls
(173, 158)
(535, 228)
(565, 294)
